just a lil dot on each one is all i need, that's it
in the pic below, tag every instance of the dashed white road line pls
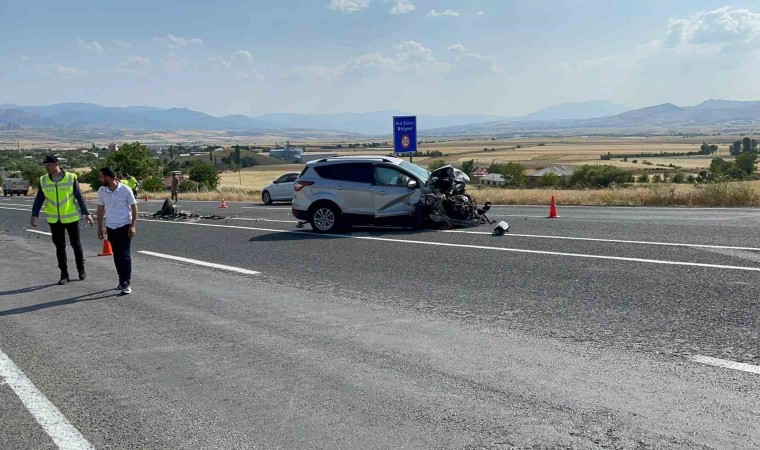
(717, 362)
(264, 207)
(39, 232)
(201, 263)
(479, 247)
(55, 424)
(17, 209)
(619, 241)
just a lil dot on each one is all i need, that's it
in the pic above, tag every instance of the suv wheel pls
(325, 219)
(266, 198)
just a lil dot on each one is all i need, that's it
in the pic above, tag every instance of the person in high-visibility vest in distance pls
(130, 182)
(60, 198)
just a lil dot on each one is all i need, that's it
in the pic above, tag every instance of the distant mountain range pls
(595, 114)
(88, 116)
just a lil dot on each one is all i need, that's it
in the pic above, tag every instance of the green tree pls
(549, 179)
(205, 174)
(32, 173)
(746, 162)
(513, 173)
(468, 167)
(133, 158)
(643, 178)
(153, 184)
(589, 176)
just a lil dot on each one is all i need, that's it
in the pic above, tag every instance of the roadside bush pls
(598, 176)
(549, 180)
(153, 184)
(643, 178)
(188, 186)
(678, 178)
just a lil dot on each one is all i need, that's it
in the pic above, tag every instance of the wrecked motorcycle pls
(444, 202)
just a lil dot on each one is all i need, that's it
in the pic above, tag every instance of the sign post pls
(405, 135)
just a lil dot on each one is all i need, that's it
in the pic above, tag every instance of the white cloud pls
(173, 41)
(473, 63)
(448, 12)
(174, 63)
(123, 44)
(348, 6)
(403, 7)
(25, 59)
(481, 13)
(409, 57)
(457, 48)
(721, 27)
(61, 69)
(140, 62)
(92, 46)
(240, 64)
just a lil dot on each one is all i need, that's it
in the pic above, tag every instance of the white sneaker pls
(126, 290)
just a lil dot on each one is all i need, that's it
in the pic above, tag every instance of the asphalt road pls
(587, 331)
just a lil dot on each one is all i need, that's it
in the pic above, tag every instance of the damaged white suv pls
(333, 192)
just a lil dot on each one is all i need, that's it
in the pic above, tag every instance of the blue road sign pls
(405, 134)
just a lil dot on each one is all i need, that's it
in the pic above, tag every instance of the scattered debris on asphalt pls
(170, 212)
(501, 228)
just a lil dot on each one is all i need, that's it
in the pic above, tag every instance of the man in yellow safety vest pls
(60, 198)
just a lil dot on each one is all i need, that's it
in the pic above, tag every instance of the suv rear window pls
(354, 172)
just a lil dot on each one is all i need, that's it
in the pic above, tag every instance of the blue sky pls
(421, 56)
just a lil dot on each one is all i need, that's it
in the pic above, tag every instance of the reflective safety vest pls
(60, 204)
(130, 183)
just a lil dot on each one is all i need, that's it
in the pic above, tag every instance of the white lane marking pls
(17, 204)
(263, 207)
(621, 241)
(717, 362)
(17, 209)
(263, 220)
(201, 263)
(641, 208)
(38, 232)
(479, 247)
(55, 424)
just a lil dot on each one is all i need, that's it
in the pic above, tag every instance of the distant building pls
(480, 171)
(492, 179)
(112, 147)
(290, 154)
(562, 171)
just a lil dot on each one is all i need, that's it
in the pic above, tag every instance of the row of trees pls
(746, 145)
(135, 159)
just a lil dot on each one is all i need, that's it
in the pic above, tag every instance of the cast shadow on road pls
(311, 235)
(65, 301)
(26, 290)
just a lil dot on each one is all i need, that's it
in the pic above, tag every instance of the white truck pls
(15, 186)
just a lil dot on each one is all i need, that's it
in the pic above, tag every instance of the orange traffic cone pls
(107, 251)
(223, 205)
(147, 197)
(553, 210)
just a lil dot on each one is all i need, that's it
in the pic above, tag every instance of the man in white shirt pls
(117, 203)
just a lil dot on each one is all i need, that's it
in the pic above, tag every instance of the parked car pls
(280, 190)
(338, 191)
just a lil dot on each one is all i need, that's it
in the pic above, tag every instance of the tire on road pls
(266, 198)
(325, 217)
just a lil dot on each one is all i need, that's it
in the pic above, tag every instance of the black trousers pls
(122, 258)
(59, 231)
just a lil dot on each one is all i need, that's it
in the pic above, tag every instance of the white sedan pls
(281, 190)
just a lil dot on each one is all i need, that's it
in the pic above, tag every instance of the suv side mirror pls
(412, 184)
